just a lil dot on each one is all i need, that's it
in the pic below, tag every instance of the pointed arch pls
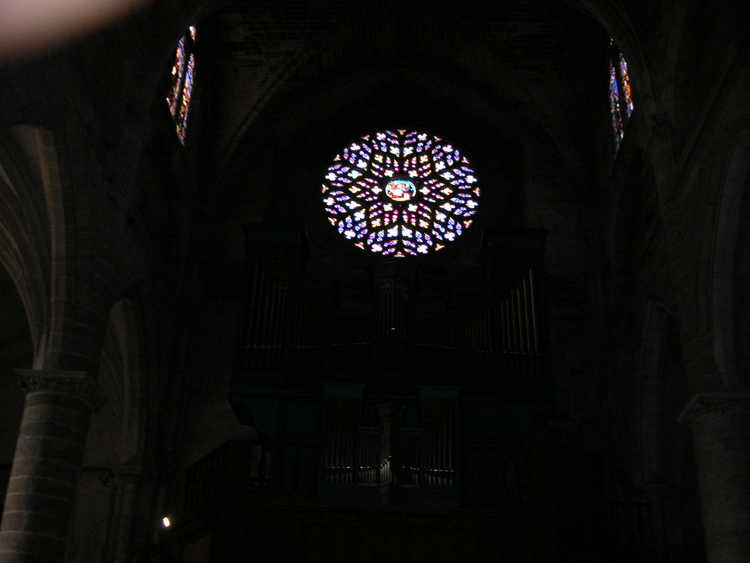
(27, 210)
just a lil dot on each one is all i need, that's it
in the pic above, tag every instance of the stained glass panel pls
(181, 87)
(625, 76)
(178, 74)
(400, 193)
(618, 125)
(620, 93)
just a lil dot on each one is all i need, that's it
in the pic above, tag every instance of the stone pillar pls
(720, 424)
(126, 481)
(46, 465)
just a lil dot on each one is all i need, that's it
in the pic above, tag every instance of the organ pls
(362, 399)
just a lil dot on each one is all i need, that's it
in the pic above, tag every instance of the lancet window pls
(182, 77)
(621, 103)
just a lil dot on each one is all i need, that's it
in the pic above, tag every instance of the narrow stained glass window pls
(621, 103)
(181, 88)
(400, 193)
(625, 77)
(618, 125)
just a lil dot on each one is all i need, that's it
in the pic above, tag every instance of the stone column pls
(126, 481)
(720, 424)
(46, 465)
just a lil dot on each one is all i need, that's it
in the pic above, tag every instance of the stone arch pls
(25, 251)
(42, 242)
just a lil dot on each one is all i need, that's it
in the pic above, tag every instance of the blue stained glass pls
(625, 76)
(621, 103)
(182, 79)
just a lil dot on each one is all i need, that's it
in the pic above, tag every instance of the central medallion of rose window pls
(400, 193)
(400, 190)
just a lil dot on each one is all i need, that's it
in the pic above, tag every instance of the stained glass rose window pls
(400, 193)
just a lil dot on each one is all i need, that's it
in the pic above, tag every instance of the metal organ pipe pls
(486, 327)
(506, 314)
(533, 311)
(522, 318)
(526, 320)
(271, 305)
(514, 320)
(492, 329)
(264, 322)
(258, 318)
(273, 317)
(509, 310)
(512, 308)
(280, 321)
(519, 322)
(504, 327)
(509, 326)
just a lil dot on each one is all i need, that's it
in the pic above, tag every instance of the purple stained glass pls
(400, 193)
(628, 91)
(181, 86)
(620, 93)
(618, 125)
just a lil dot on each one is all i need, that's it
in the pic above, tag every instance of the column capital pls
(75, 383)
(714, 404)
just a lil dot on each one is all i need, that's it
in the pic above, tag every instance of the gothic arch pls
(25, 226)
(59, 242)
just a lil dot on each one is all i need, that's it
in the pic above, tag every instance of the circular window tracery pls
(400, 193)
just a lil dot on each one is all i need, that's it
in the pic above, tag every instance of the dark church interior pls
(315, 281)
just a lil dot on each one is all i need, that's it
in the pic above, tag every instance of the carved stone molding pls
(76, 383)
(714, 404)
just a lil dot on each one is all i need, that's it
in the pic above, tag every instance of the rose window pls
(400, 193)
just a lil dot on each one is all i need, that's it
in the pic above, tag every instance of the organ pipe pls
(532, 301)
(269, 332)
(509, 326)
